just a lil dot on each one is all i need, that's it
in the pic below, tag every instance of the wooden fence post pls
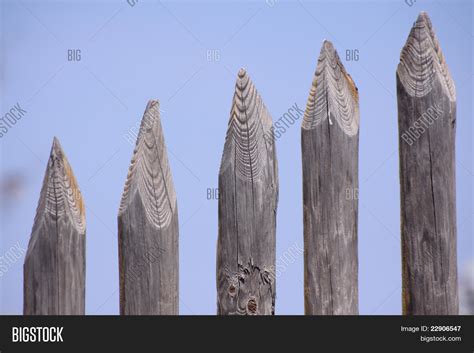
(330, 152)
(148, 227)
(54, 268)
(426, 121)
(248, 197)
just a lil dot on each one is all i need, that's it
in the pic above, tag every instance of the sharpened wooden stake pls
(427, 121)
(55, 263)
(148, 227)
(248, 196)
(330, 151)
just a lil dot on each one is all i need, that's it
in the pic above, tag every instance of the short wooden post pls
(55, 263)
(330, 151)
(427, 121)
(248, 195)
(148, 227)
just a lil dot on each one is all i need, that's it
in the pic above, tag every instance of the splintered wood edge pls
(422, 61)
(333, 94)
(60, 196)
(249, 139)
(156, 191)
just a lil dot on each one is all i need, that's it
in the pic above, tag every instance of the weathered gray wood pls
(248, 196)
(427, 121)
(148, 227)
(330, 151)
(55, 263)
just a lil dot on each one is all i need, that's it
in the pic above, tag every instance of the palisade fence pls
(54, 268)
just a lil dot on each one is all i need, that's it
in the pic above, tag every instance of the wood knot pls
(252, 306)
(231, 290)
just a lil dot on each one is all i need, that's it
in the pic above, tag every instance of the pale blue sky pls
(159, 51)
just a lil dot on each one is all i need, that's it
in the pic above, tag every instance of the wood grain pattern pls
(330, 146)
(148, 227)
(248, 196)
(422, 63)
(54, 268)
(427, 175)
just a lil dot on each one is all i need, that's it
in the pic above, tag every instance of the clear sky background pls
(187, 55)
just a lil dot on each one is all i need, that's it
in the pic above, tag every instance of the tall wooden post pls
(55, 263)
(148, 227)
(248, 196)
(330, 151)
(427, 121)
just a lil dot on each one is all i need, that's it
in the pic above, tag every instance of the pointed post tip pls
(331, 73)
(327, 44)
(327, 47)
(152, 102)
(423, 17)
(243, 79)
(421, 28)
(152, 108)
(242, 73)
(59, 179)
(422, 61)
(422, 21)
(56, 148)
(56, 142)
